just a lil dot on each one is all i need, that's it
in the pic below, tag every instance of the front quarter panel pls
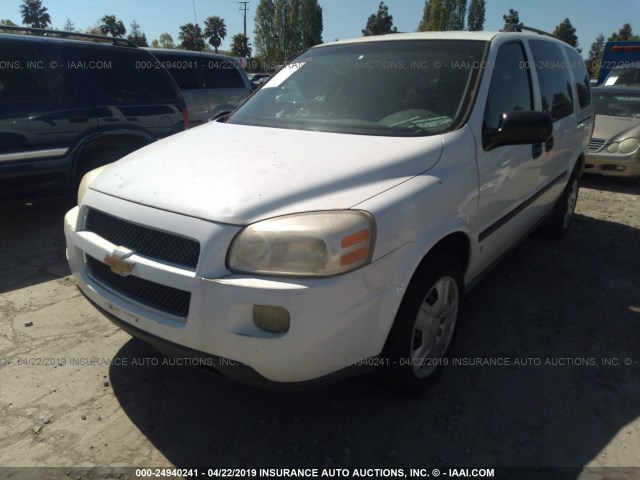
(428, 207)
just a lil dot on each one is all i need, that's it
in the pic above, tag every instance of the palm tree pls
(240, 46)
(110, 25)
(191, 37)
(215, 30)
(34, 14)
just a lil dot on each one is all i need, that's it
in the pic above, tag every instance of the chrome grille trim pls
(596, 144)
(143, 240)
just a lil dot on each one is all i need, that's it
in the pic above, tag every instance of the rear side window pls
(223, 74)
(553, 75)
(127, 74)
(581, 77)
(187, 71)
(510, 85)
(30, 77)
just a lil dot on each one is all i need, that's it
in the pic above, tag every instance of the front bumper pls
(335, 322)
(614, 165)
(229, 368)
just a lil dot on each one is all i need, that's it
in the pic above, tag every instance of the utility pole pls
(243, 10)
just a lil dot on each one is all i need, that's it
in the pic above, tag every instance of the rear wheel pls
(424, 327)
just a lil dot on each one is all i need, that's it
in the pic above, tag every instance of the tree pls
(265, 33)
(434, 16)
(34, 14)
(311, 24)
(284, 27)
(456, 10)
(443, 15)
(215, 30)
(191, 37)
(155, 43)
(475, 20)
(567, 33)
(380, 23)
(137, 36)
(110, 25)
(594, 58)
(511, 20)
(624, 34)
(69, 26)
(166, 41)
(8, 23)
(240, 46)
(303, 25)
(95, 30)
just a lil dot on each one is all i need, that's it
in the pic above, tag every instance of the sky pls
(342, 18)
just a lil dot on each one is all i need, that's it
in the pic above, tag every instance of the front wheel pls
(425, 325)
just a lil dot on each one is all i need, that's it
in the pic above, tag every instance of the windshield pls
(392, 88)
(620, 104)
(623, 76)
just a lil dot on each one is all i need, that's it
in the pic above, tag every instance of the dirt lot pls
(568, 312)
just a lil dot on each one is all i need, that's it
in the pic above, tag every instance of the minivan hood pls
(611, 128)
(239, 174)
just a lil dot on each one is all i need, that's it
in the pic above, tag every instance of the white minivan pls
(332, 224)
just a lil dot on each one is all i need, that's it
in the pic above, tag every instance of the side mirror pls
(519, 128)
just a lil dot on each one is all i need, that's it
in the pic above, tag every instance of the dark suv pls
(71, 102)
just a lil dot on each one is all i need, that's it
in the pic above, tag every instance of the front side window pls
(388, 88)
(510, 88)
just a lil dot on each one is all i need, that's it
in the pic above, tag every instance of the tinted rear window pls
(28, 78)
(223, 74)
(555, 82)
(127, 74)
(187, 70)
(581, 77)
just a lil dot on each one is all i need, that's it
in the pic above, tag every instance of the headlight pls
(629, 145)
(305, 244)
(86, 181)
(613, 148)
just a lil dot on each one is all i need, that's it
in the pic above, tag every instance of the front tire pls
(424, 327)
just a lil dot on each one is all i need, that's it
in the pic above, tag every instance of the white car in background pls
(332, 225)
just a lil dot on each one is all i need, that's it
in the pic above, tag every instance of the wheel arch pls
(118, 143)
(457, 244)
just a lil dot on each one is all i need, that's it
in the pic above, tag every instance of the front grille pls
(167, 299)
(596, 144)
(143, 240)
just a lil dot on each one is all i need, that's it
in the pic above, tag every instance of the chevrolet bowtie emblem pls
(118, 261)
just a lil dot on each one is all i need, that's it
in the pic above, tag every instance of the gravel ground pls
(76, 391)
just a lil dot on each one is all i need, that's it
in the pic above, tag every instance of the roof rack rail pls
(121, 42)
(519, 27)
